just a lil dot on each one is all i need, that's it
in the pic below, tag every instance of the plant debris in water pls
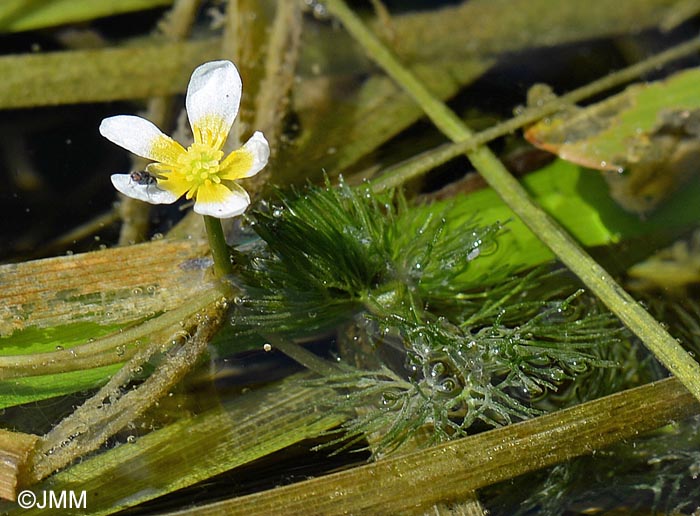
(436, 356)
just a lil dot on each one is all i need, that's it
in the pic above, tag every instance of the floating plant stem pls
(658, 340)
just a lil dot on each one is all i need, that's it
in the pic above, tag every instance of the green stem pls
(219, 249)
(657, 340)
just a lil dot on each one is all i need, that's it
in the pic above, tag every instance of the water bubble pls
(59, 348)
(449, 385)
(437, 370)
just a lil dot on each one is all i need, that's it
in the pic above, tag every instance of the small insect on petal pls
(143, 177)
(148, 192)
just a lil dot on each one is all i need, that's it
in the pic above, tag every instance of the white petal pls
(233, 205)
(148, 193)
(258, 147)
(139, 136)
(214, 92)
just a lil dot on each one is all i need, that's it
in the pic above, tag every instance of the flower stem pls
(219, 249)
(632, 314)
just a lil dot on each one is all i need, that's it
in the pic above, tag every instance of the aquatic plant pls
(443, 356)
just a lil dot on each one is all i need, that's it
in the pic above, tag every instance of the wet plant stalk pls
(567, 250)
(219, 249)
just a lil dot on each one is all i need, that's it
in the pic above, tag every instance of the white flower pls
(201, 171)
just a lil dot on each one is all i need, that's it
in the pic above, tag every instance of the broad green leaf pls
(578, 199)
(19, 391)
(20, 15)
(645, 139)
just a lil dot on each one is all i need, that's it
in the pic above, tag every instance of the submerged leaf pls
(20, 15)
(448, 357)
(646, 140)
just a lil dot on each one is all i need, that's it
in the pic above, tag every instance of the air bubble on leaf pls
(437, 370)
(449, 385)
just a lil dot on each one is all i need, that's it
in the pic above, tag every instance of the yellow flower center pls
(200, 165)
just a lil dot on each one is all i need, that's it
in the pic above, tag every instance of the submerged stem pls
(219, 248)
(567, 250)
